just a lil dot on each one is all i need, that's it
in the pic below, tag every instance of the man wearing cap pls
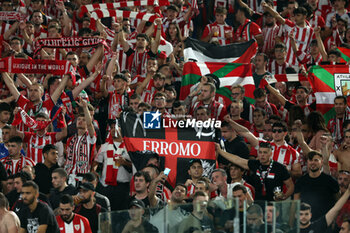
(88, 207)
(116, 173)
(119, 99)
(173, 16)
(268, 176)
(137, 222)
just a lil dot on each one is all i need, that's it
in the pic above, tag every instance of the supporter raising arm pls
(300, 28)
(264, 186)
(282, 152)
(76, 91)
(13, 90)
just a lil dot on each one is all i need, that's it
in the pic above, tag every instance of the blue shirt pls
(4, 151)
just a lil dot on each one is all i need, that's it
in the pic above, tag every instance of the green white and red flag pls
(329, 81)
(228, 73)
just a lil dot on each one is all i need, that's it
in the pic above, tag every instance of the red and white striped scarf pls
(79, 154)
(102, 13)
(112, 168)
(116, 5)
(22, 116)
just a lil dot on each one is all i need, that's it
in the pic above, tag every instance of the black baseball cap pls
(137, 203)
(87, 186)
(120, 76)
(192, 161)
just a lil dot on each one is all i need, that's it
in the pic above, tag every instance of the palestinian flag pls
(200, 51)
(228, 73)
(176, 144)
(327, 82)
(345, 54)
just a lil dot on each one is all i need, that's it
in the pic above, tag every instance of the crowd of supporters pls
(60, 137)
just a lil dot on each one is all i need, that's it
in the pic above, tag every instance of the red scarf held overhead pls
(30, 66)
(22, 116)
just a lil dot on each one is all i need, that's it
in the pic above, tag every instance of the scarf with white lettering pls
(68, 42)
(11, 16)
(116, 5)
(35, 66)
(112, 167)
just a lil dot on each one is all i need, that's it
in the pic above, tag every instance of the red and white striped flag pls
(116, 5)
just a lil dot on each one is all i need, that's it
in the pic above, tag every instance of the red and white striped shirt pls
(247, 31)
(269, 35)
(216, 109)
(111, 173)
(80, 153)
(116, 103)
(333, 41)
(179, 20)
(275, 68)
(32, 110)
(307, 59)
(285, 154)
(303, 37)
(41, 34)
(149, 92)
(13, 166)
(36, 143)
(79, 224)
(335, 126)
(345, 16)
(222, 29)
(317, 21)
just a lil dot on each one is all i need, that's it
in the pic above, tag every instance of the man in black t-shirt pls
(316, 187)
(141, 181)
(322, 223)
(43, 171)
(234, 144)
(36, 216)
(3, 177)
(88, 206)
(267, 176)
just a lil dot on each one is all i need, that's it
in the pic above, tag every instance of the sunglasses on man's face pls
(277, 131)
